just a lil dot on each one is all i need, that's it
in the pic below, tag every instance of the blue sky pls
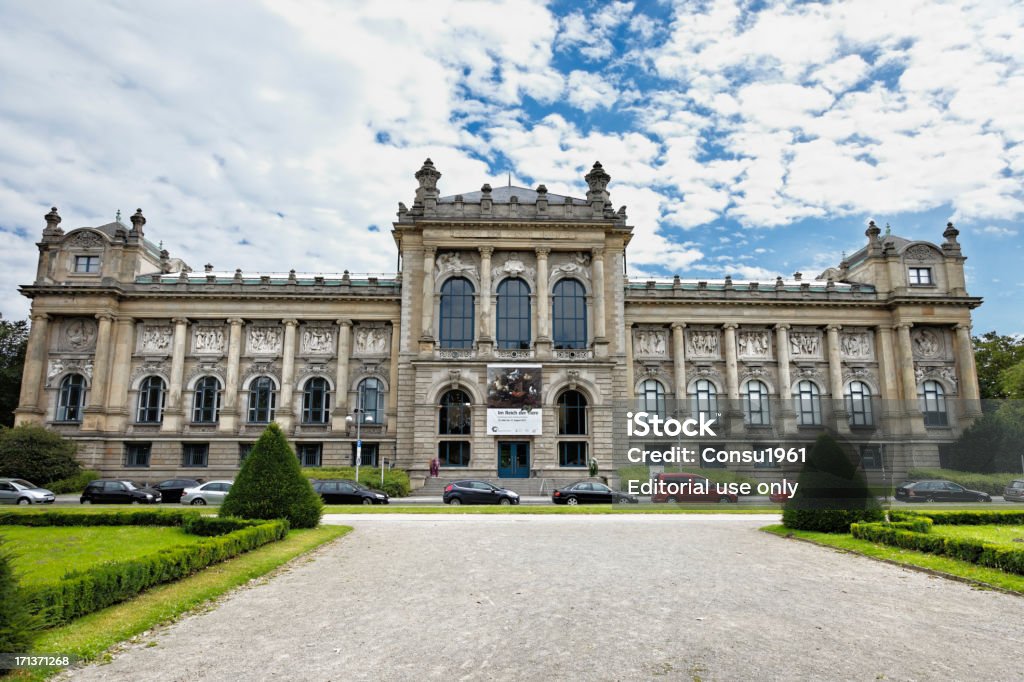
(746, 138)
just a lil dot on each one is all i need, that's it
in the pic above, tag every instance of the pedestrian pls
(435, 467)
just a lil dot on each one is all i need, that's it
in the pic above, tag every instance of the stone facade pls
(178, 371)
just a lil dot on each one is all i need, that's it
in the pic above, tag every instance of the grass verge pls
(553, 509)
(91, 636)
(944, 566)
(1006, 536)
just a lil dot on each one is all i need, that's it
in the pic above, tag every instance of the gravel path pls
(586, 598)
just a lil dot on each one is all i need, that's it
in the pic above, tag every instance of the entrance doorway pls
(513, 459)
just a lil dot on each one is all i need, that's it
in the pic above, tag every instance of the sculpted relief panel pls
(926, 342)
(209, 340)
(78, 334)
(156, 340)
(754, 343)
(264, 340)
(371, 341)
(316, 341)
(804, 345)
(452, 262)
(856, 345)
(650, 343)
(702, 343)
(570, 265)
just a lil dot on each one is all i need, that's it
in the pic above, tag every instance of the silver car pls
(1015, 491)
(211, 492)
(20, 491)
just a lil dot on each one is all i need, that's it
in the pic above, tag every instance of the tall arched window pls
(808, 404)
(206, 403)
(858, 404)
(705, 398)
(457, 313)
(151, 401)
(316, 401)
(454, 416)
(572, 421)
(652, 397)
(756, 410)
(513, 314)
(932, 402)
(569, 315)
(371, 400)
(262, 400)
(71, 399)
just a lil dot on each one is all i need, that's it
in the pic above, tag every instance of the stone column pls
(120, 375)
(543, 341)
(173, 409)
(732, 380)
(284, 414)
(905, 353)
(967, 372)
(835, 378)
(888, 372)
(786, 411)
(679, 364)
(485, 298)
(30, 408)
(229, 411)
(93, 414)
(427, 315)
(600, 323)
(341, 406)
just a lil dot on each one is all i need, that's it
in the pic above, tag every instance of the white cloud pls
(588, 91)
(997, 231)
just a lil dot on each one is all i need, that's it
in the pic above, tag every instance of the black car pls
(348, 492)
(589, 492)
(939, 491)
(107, 491)
(478, 492)
(172, 489)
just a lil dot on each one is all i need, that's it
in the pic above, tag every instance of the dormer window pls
(920, 277)
(87, 264)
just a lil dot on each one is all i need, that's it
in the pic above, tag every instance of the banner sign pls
(513, 400)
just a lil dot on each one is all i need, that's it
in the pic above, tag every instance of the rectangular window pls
(195, 454)
(920, 276)
(368, 455)
(572, 453)
(87, 264)
(453, 453)
(136, 455)
(310, 454)
(871, 456)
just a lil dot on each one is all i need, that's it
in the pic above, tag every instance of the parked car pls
(686, 487)
(589, 492)
(110, 491)
(171, 490)
(478, 492)
(939, 491)
(20, 491)
(348, 492)
(211, 492)
(1015, 491)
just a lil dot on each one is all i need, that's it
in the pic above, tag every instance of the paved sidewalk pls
(585, 598)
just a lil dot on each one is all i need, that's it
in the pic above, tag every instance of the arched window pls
(151, 401)
(569, 315)
(572, 421)
(858, 404)
(513, 314)
(652, 397)
(457, 313)
(705, 398)
(371, 401)
(316, 401)
(756, 410)
(262, 400)
(206, 403)
(932, 401)
(808, 404)
(454, 416)
(71, 399)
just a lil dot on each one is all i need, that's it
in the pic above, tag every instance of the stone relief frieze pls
(856, 345)
(451, 262)
(706, 372)
(858, 374)
(702, 343)
(754, 343)
(804, 344)
(574, 265)
(650, 343)
(924, 372)
(86, 240)
(156, 339)
(61, 366)
(313, 369)
(919, 252)
(78, 334)
(209, 340)
(809, 373)
(261, 368)
(756, 372)
(265, 339)
(316, 341)
(926, 342)
(371, 341)
(147, 368)
(514, 266)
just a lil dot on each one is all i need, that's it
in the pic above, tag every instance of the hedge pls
(174, 517)
(73, 484)
(963, 518)
(396, 481)
(992, 484)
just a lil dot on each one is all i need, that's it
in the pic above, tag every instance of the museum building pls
(510, 344)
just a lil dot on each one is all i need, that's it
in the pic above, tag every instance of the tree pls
(34, 453)
(831, 492)
(994, 354)
(270, 485)
(13, 342)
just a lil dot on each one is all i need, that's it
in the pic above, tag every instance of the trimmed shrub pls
(832, 492)
(18, 626)
(641, 472)
(211, 526)
(37, 454)
(270, 485)
(992, 484)
(396, 481)
(174, 517)
(963, 518)
(73, 484)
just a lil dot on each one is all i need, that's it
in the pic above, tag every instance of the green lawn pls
(45, 554)
(552, 509)
(1008, 536)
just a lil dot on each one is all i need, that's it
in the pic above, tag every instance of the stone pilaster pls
(92, 418)
(229, 411)
(485, 340)
(120, 375)
(173, 409)
(341, 406)
(31, 409)
(732, 380)
(888, 373)
(600, 321)
(786, 412)
(284, 414)
(543, 341)
(967, 372)
(905, 352)
(427, 314)
(678, 364)
(835, 379)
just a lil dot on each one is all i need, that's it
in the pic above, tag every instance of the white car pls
(211, 492)
(20, 491)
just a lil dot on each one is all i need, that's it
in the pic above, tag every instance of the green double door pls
(513, 459)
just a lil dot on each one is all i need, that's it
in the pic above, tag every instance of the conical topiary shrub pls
(831, 493)
(270, 485)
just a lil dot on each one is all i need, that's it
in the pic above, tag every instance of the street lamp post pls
(359, 435)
